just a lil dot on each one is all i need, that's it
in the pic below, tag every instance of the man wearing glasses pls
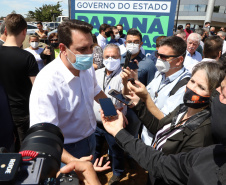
(146, 66)
(168, 86)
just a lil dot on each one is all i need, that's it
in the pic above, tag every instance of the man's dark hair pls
(134, 31)
(188, 23)
(212, 46)
(39, 23)
(158, 40)
(178, 45)
(2, 29)
(103, 27)
(119, 25)
(180, 27)
(207, 23)
(65, 28)
(15, 24)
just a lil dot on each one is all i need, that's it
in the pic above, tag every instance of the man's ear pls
(180, 61)
(219, 54)
(62, 48)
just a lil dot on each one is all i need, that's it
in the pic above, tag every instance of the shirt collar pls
(68, 76)
(102, 37)
(139, 57)
(114, 72)
(173, 76)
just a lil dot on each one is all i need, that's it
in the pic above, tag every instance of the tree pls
(46, 13)
(13, 12)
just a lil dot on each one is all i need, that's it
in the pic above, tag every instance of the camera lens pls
(46, 139)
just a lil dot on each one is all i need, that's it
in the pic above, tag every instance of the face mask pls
(218, 118)
(195, 101)
(108, 33)
(111, 64)
(133, 48)
(117, 36)
(34, 44)
(162, 65)
(187, 28)
(120, 32)
(55, 45)
(83, 61)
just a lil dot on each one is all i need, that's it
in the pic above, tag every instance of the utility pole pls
(178, 7)
(69, 9)
(209, 11)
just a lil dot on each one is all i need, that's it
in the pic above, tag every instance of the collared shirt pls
(102, 42)
(159, 90)
(191, 61)
(113, 81)
(147, 69)
(118, 42)
(65, 100)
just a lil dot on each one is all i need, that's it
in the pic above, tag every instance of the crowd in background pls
(174, 128)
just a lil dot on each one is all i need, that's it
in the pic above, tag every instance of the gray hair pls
(195, 37)
(200, 31)
(112, 46)
(2, 29)
(222, 33)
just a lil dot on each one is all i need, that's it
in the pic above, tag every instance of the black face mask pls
(120, 33)
(187, 28)
(218, 118)
(55, 45)
(108, 33)
(195, 101)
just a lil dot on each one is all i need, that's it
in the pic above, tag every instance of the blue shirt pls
(147, 69)
(118, 42)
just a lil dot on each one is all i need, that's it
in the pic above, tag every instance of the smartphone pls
(133, 65)
(108, 107)
(127, 60)
(120, 97)
(132, 81)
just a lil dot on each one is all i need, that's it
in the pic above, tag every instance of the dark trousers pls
(116, 152)
(20, 130)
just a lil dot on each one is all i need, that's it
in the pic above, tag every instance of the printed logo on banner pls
(152, 18)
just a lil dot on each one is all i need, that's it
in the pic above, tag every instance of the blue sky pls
(23, 6)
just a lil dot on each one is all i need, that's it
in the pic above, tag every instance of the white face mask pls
(162, 65)
(111, 64)
(133, 48)
(117, 36)
(34, 44)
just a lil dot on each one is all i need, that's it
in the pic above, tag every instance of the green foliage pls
(46, 13)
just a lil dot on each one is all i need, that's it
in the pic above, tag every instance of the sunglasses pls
(165, 57)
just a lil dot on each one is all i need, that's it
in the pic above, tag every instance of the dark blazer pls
(196, 133)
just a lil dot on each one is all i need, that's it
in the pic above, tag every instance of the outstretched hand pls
(98, 165)
(139, 89)
(114, 125)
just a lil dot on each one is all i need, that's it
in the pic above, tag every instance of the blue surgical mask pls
(83, 61)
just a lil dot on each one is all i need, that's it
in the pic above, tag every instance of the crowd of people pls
(174, 127)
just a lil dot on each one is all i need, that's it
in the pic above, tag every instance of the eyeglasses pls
(133, 42)
(53, 39)
(165, 57)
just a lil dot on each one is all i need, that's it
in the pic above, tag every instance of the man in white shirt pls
(108, 79)
(222, 35)
(192, 56)
(64, 91)
(104, 33)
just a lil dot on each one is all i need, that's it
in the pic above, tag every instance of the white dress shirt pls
(102, 42)
(159, 90)
(191, 61)
(65, 100)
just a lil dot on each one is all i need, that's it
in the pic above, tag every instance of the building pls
(197, 12)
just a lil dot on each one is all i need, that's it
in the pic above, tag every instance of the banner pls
(151, 18)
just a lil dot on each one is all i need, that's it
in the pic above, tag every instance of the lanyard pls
(104, 86)
(159, 89)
